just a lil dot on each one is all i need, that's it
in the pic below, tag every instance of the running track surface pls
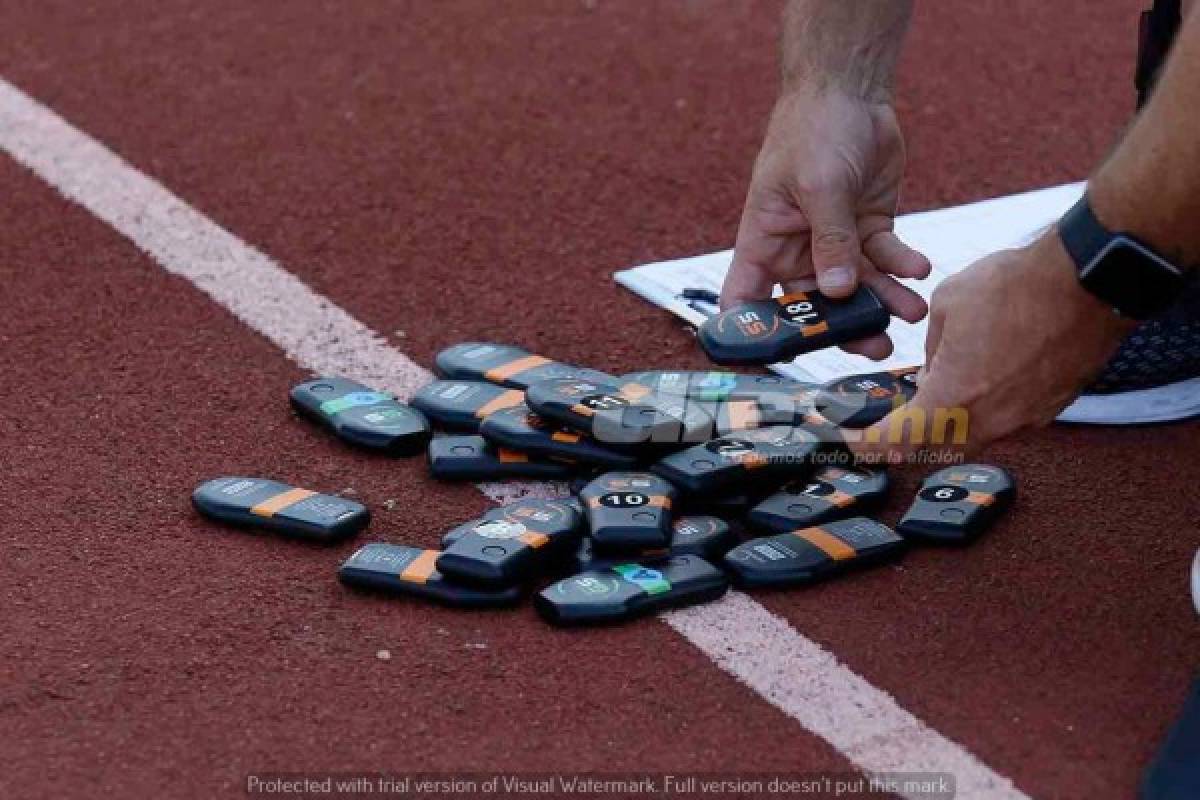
(467, 170)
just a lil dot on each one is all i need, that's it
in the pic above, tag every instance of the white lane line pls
(307, 327)
(806, 682)
(784, 667)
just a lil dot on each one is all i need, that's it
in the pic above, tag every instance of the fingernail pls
(836, 278)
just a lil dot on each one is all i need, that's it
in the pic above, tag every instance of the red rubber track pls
(475, 170)
(151, 654)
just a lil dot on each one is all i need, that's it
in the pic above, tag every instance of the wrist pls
(1115, 210)
(850, 47)
(855, 89)
(1119, 199)
(1056, 278)
(803, 98)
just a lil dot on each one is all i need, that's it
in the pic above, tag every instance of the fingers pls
(898, 298)
(771, 237)
(876, 348)
(922, 422)
(744, 283)
(890, 255)
(766, 246)
(799, 285)
(836, 252)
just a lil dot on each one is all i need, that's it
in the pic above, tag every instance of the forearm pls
(1150, 185)
(849, 45)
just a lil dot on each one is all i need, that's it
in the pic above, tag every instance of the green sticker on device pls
(650, 580)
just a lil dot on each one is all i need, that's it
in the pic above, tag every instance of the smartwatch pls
(1123, 272)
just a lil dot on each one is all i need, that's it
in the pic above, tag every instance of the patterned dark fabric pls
(1159, 351)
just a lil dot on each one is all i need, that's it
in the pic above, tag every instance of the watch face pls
(1132, 278)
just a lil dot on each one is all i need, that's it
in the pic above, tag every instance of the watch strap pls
(1083, 235)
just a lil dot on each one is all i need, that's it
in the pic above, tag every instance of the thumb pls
(836, 249)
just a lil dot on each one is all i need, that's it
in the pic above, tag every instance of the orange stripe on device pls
(659, 501)
(511, 456)
(813, 330)
(827, 543)
(570, 437)
(533, 538)
(980, 498)
(273, 505)
(513, 397)
(794, 297)
(754, 460)
(505, 371)
(840, 499)
(421, 567)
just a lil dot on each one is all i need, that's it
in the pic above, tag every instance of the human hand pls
(1012, 341)
(821, 205)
